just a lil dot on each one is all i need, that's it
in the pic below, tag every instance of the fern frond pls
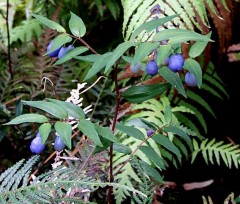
(229, 153)
(59, 184)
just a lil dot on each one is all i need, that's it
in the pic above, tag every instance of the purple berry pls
(149, 132)
(55, 52)
(36, 145)
(175, 62)
(152, 67)
(190, 79)
(135, 69)
(59, 145)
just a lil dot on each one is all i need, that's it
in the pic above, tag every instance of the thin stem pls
(85, 43)
(8, 43)
(133, 152)
(111, 176)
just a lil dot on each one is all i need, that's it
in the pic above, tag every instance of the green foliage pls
(212, 150)
(137, 12)
(50, 187)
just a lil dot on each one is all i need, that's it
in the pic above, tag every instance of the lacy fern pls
(54, 186)
(212, 150)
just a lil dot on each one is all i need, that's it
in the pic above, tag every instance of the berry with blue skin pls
(53, 53)
(64, 50)
(150, 132)
(152, 67)
(190, 79)
(36, 145)
(175, 62)
(59, 145)
(135, 69)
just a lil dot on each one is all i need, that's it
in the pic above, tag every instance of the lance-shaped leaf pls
(49, 107)
(177, 36)
(163, 53)
(153, 156)
(106, 133)
(165, 142)
(130, 131)
(76, 25)
(44, 130)
(138, 94)
(150, 171)
(51, 24)
(64, 130)
(143, 50)
(118, 52)
(59, 41)
(151, 25)
(98, 65)
(72, 109)
(122, 148)
(173, 78)
(198, 47)
(177, 130)
(28, 118)
(194, 67)
(88, 129)
(71, 54)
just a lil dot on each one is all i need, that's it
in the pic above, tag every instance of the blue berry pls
(152, 67)
(36, 145)
(135, 69)
(175, 62)
(190, 79)
(59, 145)
(150, 132)
(55, 52)
(64, 50)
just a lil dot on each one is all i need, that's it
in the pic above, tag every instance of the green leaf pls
(49, 107)
(44, 130)
(99, 6)
(194, 67)
(153, 156)
(130, 131)
(76, 25)
(51, 24)
(118, 52)
(71, 54)
(143, 50)
(106, 143)
(163, 53)
(106, 133)
(64, 130)
(89, 58)
(28, 118)
(168, 114)
(98, 65)
(178, 131)
(173, 78)
(198, 47)
(150, 171)
(138, 94)
(165, 142)
(59, 41)
(151, 25)
(177, 36)
(72, 109)
(88, 129)
(122, 148)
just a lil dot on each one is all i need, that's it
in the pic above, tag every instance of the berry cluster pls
(175, 63)
(60, 52)
(37, 147)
